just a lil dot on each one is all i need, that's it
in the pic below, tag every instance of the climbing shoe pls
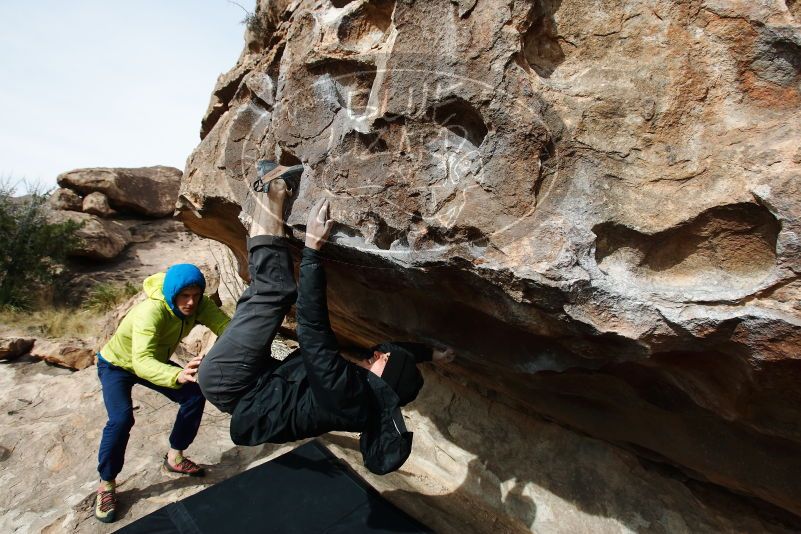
(106, 502)
(269, 171)
(185, 466)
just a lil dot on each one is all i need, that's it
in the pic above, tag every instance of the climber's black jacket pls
(315, 390)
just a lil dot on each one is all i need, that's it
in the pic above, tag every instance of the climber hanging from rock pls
(315, 389)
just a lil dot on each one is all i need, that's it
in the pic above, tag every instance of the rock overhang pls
(597, 209)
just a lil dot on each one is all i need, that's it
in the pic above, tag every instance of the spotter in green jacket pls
(151, 331)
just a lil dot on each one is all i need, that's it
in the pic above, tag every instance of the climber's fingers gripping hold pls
(319, 224)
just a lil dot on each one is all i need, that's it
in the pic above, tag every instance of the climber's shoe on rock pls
(269, 171)
(106, 502)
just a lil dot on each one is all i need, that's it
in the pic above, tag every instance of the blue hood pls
(177, 278)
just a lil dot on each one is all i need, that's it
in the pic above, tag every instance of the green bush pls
(31, 249)
(105, 296)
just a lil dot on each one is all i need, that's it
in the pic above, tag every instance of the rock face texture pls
(97, 204)
(596, 204)
(66, 200)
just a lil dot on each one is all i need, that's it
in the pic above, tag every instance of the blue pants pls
(117, 384)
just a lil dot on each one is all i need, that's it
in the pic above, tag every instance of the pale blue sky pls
(100, 83)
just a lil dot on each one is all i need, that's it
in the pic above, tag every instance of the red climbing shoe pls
(106, 502)
(185, 466)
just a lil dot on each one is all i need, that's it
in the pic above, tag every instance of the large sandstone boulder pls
(597, 205)
(150, 191)
(100, 239)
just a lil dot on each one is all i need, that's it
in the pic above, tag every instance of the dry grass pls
(45, 320)
(107, 296)
(52, 322)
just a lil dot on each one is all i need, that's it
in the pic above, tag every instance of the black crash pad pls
(306, 490)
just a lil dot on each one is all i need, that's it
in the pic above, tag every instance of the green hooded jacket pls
(150, 332)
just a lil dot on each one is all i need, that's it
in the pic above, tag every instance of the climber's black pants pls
(242, 353)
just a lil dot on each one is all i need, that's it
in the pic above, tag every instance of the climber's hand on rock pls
(319, 224)
(444, 355)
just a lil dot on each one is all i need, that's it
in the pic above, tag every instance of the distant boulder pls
(101, 239)
(66, 200)
(97, 204)
(150, 191)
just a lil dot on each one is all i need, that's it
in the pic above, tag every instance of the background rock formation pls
(597, 204)
(128, 232)
(148, 191)
(119, 248)
(93, 196)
